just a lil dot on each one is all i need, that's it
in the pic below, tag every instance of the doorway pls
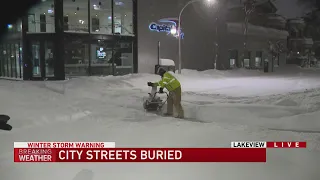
(42, 59)
(233, 58)
(111, 58)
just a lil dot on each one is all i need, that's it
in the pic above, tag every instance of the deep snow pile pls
(240, 83)
(233, 107)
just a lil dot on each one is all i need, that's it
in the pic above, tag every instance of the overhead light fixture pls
(109, 17)
(44, 13)
(95, 7)
(50, 11)
(75, 12)
(96, 15)
(173, 30)
(119, 3)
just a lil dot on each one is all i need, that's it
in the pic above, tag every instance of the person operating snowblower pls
(169, 82)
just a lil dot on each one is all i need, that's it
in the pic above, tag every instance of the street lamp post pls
(179, 30)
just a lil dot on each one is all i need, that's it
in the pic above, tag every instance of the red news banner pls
(106, 152)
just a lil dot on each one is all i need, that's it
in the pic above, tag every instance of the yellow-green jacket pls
(168, 81)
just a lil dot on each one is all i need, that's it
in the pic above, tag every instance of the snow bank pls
(238, 82)
(167, 62)
(220, 74)
(308, 122)
(110, 109)
(285, 79)
(281, 71)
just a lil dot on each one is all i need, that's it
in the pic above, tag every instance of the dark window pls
(66, 23)
(258, 59)
(246, 59)
(95, 24)
(43, 24)
(233, 58)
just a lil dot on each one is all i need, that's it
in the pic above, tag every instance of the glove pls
(161, 90)
(150, 84)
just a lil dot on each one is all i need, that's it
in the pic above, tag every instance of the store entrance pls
(42, 59)
(111, 58)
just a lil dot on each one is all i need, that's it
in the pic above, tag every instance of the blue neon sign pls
(163, 27)
(160, 27)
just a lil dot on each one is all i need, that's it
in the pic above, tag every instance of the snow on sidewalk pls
(239, 106)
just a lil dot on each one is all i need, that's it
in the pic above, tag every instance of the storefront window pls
(5, 64)
(246, 59)
(76, 58)
(19, 25)
(101, 58)
(21, 60)
(111, 58)
(9, 59)
(75, 16)
(18, 51)
(123, 58)
(13, 61)
(41, 18)
(36, 59)
(233, 56)
(276, 61)
(49, 61)
(258, 59)
(100, 13)
(123, 17)
(2, 61)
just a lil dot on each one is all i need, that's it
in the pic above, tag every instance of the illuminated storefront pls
(60, 38)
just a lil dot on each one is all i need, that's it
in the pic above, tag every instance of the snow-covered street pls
(229, 106)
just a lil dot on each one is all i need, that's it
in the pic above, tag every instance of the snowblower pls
(154, 103)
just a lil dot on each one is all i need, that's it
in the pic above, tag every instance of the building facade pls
(303, 41)
(60, 38)
(213, 35)
(312, 30)
(299, 42)
(197, 24)
(265, 40)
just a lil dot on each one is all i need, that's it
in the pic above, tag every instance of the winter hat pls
(161, 71)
